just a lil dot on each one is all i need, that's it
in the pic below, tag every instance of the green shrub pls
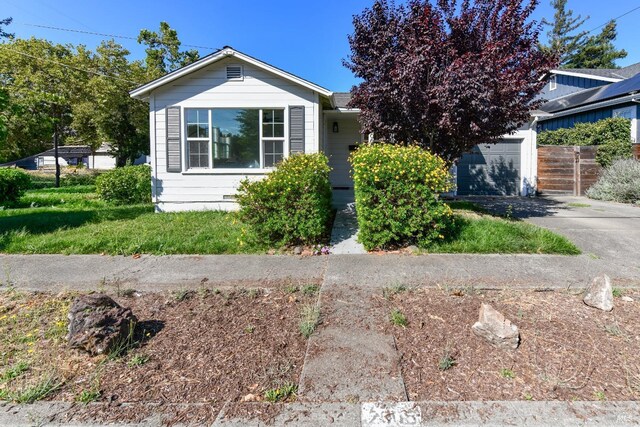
(13, 183)
(78, 178)
(620, 182)
(292, 205)
(129, 184)
(397, 192)
(612, 136)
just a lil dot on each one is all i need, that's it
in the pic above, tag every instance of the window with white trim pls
(235, 138)
(553, 82)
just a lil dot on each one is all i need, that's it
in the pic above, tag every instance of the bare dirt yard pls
(568, 351)
(210, 348)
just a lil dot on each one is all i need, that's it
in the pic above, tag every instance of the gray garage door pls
(491, 169)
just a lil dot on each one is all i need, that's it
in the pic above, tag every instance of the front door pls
(343, 134)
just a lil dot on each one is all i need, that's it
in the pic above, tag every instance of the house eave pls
(594, 106)
(144, 91)
(586, 76)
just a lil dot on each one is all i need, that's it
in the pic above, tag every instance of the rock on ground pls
(600, 294)
(98, 324)
(497, 330)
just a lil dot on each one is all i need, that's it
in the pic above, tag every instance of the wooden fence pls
(567, 170)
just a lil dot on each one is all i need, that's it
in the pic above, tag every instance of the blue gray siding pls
(569, 84)
(586, 117)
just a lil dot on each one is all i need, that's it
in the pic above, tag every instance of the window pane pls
(192, 116)
(267, 130)
(273, 153)
(203, 131)
(278, 116)
(192, 131)
(278, 131)
(236, 138)
(267, 116)
(198, 154)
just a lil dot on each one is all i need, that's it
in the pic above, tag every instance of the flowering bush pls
(292, 205)
(620, 182)
(397, 192)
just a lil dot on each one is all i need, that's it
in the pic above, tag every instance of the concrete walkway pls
(344, 235)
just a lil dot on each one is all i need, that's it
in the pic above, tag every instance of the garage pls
(491, 169)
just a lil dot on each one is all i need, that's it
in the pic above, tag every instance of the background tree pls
(574, 47)
(4, 23)
(163, 51)
(598, 51)
(447, 76)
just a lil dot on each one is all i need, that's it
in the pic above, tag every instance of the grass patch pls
(482, 234)
(310, 319)
(578, 205)
(397, 318)
(464, 205)
(280, 394)
(72, 220)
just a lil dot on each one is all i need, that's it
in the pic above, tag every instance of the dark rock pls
(98, 324)
(497, 330)
(600, 294)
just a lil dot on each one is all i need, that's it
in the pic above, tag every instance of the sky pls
(303, 37)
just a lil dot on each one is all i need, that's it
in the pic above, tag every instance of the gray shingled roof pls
(612, 73)
(341, 99)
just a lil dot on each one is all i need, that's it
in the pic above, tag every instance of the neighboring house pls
(230, 116)
(72, 155)
(618, 98)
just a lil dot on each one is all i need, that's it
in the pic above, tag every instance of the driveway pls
(602, 230)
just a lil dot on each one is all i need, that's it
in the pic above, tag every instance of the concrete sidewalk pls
(155, 273)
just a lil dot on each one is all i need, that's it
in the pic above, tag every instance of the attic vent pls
(234, 72)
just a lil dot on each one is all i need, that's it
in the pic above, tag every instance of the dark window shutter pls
(296, 129)
(174, 149)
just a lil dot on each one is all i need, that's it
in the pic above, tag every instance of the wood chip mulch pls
(568, 351)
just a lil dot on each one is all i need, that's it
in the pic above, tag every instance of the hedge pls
(612, 136)
(292, 205)
(126, 185)
(620, 182)
(13, 184)
(397, 192)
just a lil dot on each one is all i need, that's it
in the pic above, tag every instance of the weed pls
(578, 205)
(127, 293)
(291, 289)
(508, 213)
(254, 292)
(37, 392)
(279, 394)
(507, 373)
(124, 345)
(88, 396)
(138, 360)
(14, 372)
(600, 396)
(310, 290)
(593, 256)
(446, 362)
(310, 319)
(394, 290)
(249, 329)
(614, 329)
(520, 314)
(527, 396)
(182, 295)
(397, 318)
(617, 292)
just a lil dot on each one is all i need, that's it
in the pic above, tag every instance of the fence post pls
(576, 171)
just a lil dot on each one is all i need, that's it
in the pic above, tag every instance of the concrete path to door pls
(344, 235)
(605, 231)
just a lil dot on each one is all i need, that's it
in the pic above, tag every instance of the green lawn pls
(72, 220)
(481, 233)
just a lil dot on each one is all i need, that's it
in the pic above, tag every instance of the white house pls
(230, 116)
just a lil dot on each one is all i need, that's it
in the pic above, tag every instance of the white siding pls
(209, 88)
(102, 161)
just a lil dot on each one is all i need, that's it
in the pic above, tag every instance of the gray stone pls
(298, 250)
(599, 294)
(413, 249)
(497, 330)
(626, 299)
(97, 324)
